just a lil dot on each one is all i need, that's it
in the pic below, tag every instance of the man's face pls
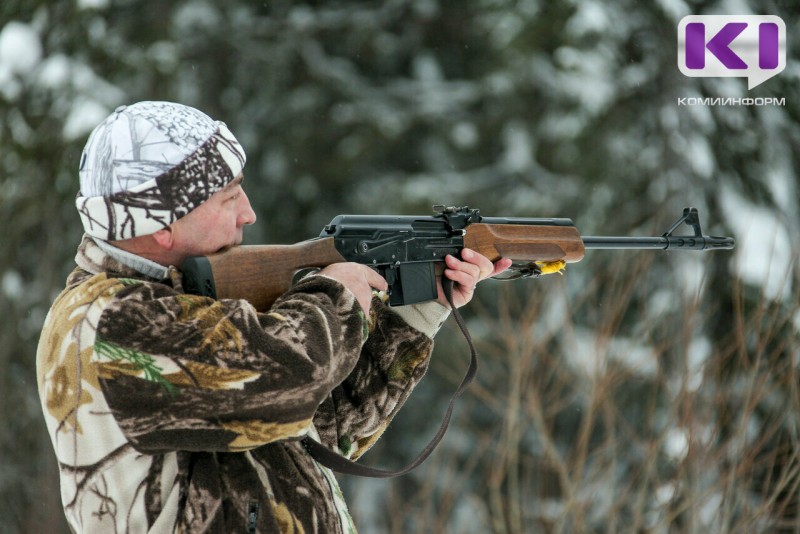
(216, 224)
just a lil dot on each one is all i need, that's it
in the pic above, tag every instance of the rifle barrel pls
(664, 242)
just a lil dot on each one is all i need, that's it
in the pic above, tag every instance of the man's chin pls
(229, 246)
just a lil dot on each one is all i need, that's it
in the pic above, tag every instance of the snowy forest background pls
(641, 392)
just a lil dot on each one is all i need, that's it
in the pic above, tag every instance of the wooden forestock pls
(262, 273)
(525, 243)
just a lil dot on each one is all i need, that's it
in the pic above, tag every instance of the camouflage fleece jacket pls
(177, 413)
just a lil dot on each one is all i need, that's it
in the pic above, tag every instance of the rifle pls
(406, 249)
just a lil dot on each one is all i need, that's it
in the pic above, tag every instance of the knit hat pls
(149, 164)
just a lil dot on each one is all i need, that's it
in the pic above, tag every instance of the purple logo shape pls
(719, 45)
(769, 45)
(751, 46)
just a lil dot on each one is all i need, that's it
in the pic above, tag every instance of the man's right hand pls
(359, 279)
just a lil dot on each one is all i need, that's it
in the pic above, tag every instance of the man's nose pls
(246, 213)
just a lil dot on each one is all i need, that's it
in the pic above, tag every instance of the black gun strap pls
(340, 464)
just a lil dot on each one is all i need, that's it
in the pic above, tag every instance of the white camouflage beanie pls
(149, 164)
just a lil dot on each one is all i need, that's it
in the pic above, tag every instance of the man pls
(177, 413)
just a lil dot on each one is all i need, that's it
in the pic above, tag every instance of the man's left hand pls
(466, 273)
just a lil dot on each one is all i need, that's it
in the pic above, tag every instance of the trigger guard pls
(517, 271)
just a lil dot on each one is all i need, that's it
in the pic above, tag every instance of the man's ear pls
(164, 238)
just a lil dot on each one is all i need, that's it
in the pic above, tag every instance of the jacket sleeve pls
(393, 361)
(182, 372)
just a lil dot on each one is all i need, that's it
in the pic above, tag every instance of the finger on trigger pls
(375, 280)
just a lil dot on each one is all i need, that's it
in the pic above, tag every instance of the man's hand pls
(359, 279)
(466, 273)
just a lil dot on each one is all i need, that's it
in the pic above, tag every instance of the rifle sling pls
(340, 464)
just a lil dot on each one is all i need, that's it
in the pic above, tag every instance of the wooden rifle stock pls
(257, 273)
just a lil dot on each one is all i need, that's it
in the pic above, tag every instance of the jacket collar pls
(96, 256)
